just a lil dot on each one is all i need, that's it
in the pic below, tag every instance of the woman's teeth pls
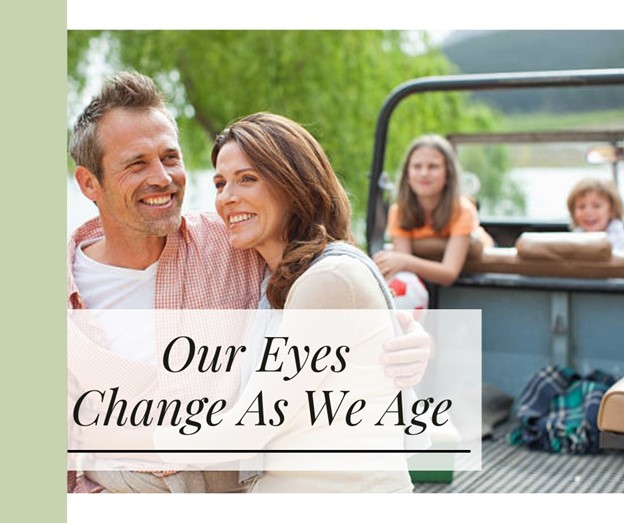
(240, 218)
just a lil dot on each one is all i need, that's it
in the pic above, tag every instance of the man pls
(140, 253)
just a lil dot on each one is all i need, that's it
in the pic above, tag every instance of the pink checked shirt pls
(197, 270)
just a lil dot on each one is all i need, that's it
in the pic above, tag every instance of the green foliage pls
(613, 118)
(333, 82)
(499, 195)
(77, 48)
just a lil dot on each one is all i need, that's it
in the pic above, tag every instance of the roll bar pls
(376, 212)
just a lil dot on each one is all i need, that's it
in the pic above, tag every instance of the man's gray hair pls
(126, 90)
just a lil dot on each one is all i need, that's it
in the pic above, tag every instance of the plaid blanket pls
(558, 410)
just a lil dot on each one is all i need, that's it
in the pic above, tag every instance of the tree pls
(333, 82)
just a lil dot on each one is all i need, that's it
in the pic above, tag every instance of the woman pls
(277, 193)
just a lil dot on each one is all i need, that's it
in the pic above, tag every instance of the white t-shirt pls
(104, 288)
(615, 231)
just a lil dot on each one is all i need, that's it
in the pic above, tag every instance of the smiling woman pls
(274, 178)
(278, 194)
(254, 210)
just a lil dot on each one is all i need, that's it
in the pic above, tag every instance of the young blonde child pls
(429, 205)
(595, 205)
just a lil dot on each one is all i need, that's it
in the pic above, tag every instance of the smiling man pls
(138, 188)
(140, 253)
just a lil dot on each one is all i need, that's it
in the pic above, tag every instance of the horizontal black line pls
(277, 451)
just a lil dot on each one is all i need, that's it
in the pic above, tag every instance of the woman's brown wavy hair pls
(289, 157)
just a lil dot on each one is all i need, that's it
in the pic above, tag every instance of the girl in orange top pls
(429, 205)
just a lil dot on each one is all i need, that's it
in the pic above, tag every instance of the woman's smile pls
(254, 210)
(234, 219)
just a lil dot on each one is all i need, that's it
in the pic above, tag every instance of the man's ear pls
(88, 183)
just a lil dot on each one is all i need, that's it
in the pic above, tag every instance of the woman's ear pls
(88, 183)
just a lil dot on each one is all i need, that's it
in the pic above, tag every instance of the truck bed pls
(510, 469)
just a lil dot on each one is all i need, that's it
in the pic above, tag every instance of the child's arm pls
(402, 244)
(444, 272)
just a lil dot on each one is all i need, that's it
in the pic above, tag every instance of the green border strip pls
(33, 268)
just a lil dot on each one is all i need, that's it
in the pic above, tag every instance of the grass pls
(609, 119)
(559, 155)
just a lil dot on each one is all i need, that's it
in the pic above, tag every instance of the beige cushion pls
(506, 260)
(611, 412)
(585, 246)
(433, 248)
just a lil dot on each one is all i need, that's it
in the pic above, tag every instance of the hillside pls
(528, 50)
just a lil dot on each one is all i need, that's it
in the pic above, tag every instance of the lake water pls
(546, 192)
(547, 188)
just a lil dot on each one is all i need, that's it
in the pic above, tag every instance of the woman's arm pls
(444, 272)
